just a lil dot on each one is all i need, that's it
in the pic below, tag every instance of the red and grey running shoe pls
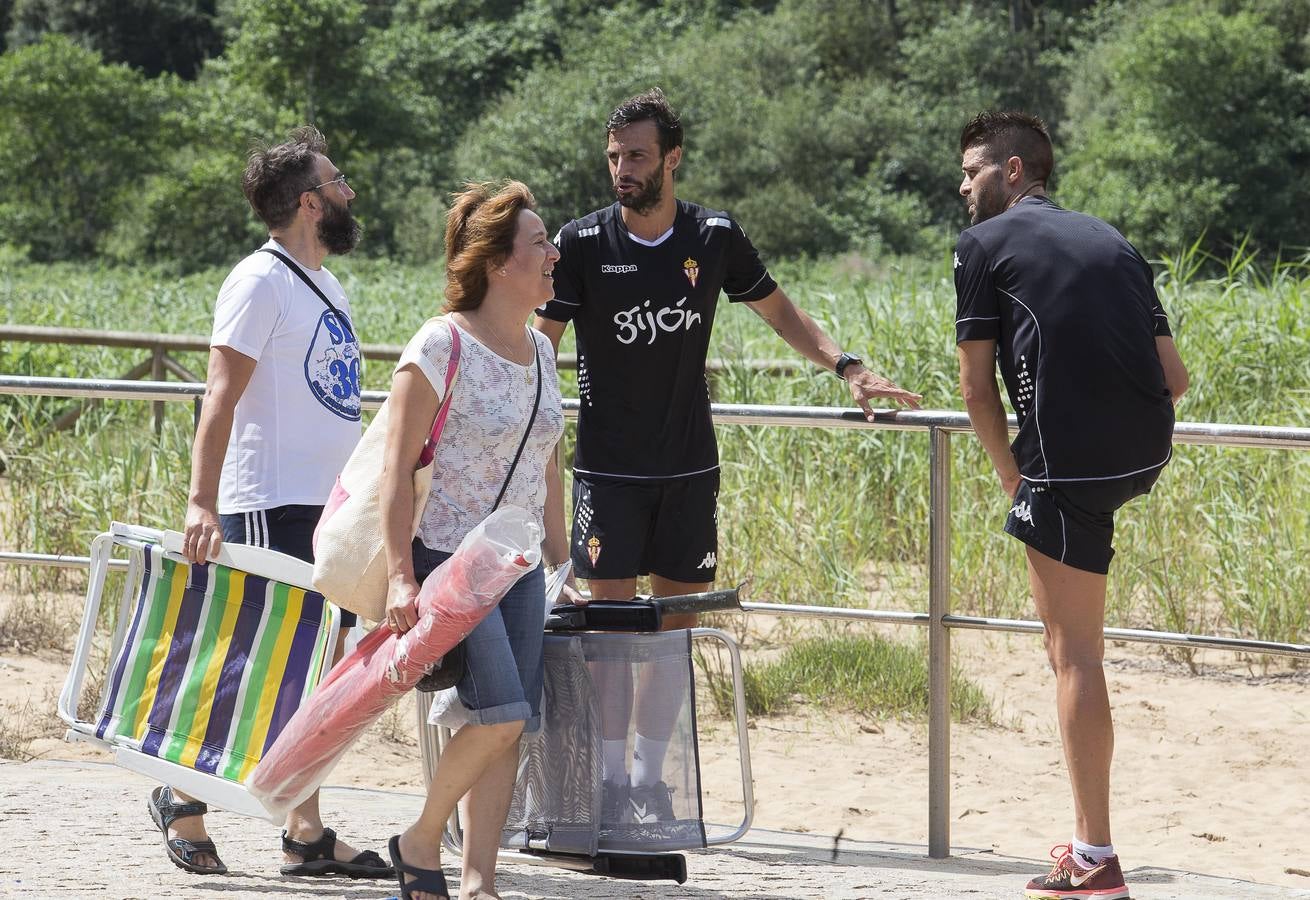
(1070, 881)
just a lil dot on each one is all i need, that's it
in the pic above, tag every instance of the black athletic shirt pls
(1073, 309)
(642, 314)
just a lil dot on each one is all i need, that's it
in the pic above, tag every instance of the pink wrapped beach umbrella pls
(384, 665)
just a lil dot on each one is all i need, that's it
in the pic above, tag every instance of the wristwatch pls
(846, 359)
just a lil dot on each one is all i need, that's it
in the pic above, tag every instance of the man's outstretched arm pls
(805, 336)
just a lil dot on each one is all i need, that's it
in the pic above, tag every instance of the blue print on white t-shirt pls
(332, 366)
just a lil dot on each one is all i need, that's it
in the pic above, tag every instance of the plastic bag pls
(451, 602)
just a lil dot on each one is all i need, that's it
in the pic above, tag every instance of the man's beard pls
(647, 195)
(987, 204)
(338, 230)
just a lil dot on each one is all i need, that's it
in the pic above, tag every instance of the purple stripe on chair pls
(293, 679)
(175, 663)
(129, 640)
(239, 650)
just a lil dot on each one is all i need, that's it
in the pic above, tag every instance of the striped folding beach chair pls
(207, 663)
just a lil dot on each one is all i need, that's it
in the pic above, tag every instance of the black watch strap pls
(846, 359)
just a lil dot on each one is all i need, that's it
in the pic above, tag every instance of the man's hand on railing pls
(866, 386)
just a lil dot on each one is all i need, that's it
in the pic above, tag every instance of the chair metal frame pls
(270, 564)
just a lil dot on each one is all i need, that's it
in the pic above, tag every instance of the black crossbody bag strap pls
(531, 421)
(290, 264)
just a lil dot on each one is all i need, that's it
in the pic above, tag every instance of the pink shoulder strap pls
(430, 446)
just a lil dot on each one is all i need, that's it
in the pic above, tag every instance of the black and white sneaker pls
(614, 806)
(651, 803)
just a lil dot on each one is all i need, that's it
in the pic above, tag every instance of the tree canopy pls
(826, 126)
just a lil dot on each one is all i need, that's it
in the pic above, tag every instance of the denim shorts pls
(503, 670)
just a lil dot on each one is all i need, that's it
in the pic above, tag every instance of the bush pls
(153, 36)
(190, 212)
(1181, 124)
(190, 217)
(74, 135)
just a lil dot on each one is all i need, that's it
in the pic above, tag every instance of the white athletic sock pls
(613, 757)
(1089, 856)
(648, 760)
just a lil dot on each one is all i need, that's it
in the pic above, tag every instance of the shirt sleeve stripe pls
(749, 289)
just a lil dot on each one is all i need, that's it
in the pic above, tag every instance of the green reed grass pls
(809, 516)
(866, 674)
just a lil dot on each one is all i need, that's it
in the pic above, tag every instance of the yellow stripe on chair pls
(273, 678)
(160, 654)
(236, 585)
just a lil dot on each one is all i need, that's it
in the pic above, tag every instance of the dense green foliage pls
(824, 125)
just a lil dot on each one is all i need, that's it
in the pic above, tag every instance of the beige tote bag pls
(350, 561)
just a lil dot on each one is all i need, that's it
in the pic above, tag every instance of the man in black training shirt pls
(640, 280)
(1068, 309)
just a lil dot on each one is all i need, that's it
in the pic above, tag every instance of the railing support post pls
(939, 645)
(157, 373)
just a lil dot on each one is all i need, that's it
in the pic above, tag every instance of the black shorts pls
(286, 529)
(622, 529)
(1073, 522)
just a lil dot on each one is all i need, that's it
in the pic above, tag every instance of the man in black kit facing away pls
(1067, 308)
(640, 280)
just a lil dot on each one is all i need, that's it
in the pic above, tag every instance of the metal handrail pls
(1201, 433)
(195, 343)
(939, 424)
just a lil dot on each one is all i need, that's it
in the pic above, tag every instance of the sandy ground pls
(1211, 776)
(119, 858)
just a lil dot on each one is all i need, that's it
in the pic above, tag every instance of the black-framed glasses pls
(339, 181)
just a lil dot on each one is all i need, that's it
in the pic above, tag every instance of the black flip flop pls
(165, 812)
(429, 881)
(318, 858)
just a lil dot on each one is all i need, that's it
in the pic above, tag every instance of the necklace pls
(503, 350)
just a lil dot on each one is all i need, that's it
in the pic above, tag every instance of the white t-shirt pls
(298, 419)
(489, 411)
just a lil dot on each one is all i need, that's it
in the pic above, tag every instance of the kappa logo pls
(1022, 511)
(691, 269)
(617, 270)
(957, 262)
(710, 561)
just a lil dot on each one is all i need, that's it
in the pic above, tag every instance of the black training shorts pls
(1073, 522)
(622, 528)
(286, 529)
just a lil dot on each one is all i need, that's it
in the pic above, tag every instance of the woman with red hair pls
(498, 446)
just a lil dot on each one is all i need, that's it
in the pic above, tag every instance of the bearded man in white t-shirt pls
(279, 420)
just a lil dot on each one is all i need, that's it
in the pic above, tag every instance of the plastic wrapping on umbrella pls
(451, 602)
